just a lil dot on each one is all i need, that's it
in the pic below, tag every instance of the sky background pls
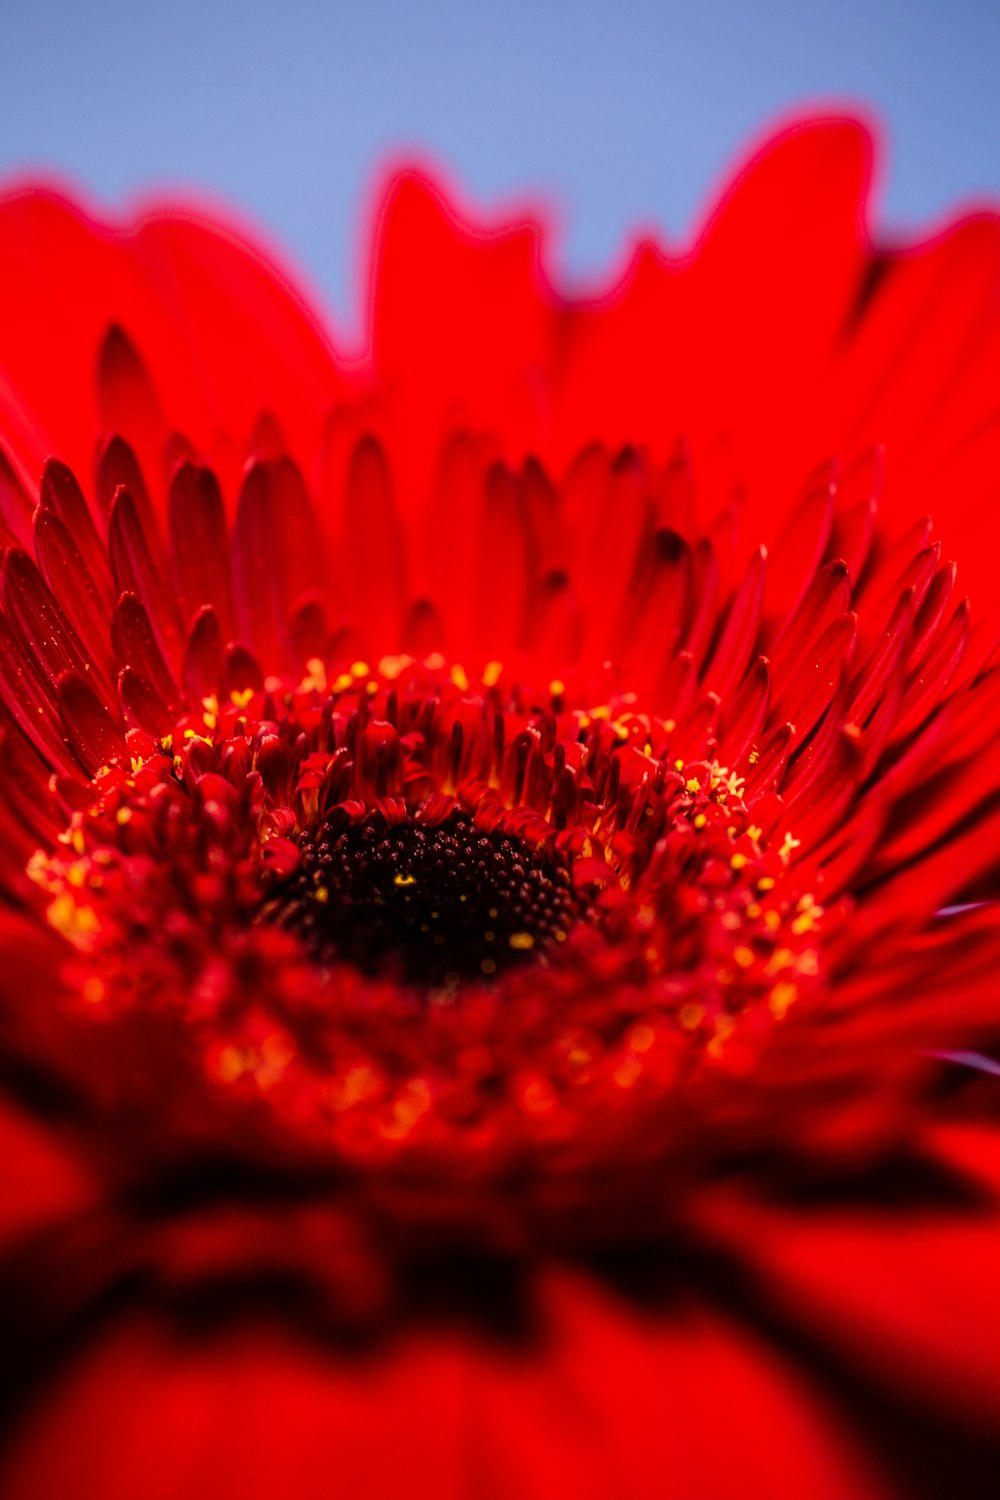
(622, 115)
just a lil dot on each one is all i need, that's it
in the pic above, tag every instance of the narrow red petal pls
(96, 737)
(199, 545)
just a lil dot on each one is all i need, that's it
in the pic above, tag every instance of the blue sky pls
(621, 114)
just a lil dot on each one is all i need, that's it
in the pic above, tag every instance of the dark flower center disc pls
(432, 906)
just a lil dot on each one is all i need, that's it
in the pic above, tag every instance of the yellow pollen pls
(360, 669)
(678, 765)
(692, 784)
(391, 666)
(315, 678)
(738, 861)
(766, 883)
(492, 673)
(522, 941)
(788, 845)
(754, 757)
(781, 958)
(603, 712)
(783, 995)
(808, 920)
(557, 687)
(76, 923)
(744, 956)
(755, 833)
(321, 894)
(404, 880)
(460, 678)
(753, 911)
(343, 682)
(240, 697)
(700, 820)
(123, 815)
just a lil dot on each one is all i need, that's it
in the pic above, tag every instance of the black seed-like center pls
(432, 906)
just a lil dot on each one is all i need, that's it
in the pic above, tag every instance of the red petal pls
(15, 506)
(61, 495)
(729, 660)
(373, 553)
(147, 1412)
(140, 568)
(798, 550)
(251, 339)
(277, 554)
(46, 631)
(807, 694)
(203, 656)
(95, 736)
(649, 1387)
(909, 1294)
(142, 705)
(127, 400)
(31, 702)
(41, 1183)
(199, 545)
(73, 584)
(743, 718)
(134, 645)
(655, 610)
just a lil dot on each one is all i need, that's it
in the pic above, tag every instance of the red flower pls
(500, 848)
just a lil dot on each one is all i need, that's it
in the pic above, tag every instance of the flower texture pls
(500, 846)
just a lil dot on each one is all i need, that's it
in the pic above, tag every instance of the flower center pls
(413, 923)
(432, 906)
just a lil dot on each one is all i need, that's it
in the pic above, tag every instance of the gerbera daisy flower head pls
(523, 805)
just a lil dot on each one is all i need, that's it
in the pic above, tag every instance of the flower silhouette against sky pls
(500, 844)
